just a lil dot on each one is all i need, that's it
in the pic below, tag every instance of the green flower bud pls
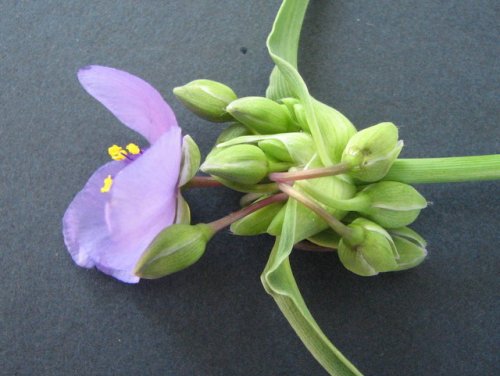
(233, 131)
(173, 249)
(244, 164)
(298, 147)
(207, 99)
(190, 162)
(262, 115)
(392, 204)
(335, 128)
(326, 238)
(276, 223)
(275, 149)
(410, 246)
(300, 114)
(371, 152)
(257, 222)
(370, 251)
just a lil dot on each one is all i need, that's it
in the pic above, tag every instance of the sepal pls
(190, 162)
(411, 247)
(207, 99)
(371, 250)
(262, 115)
(243, 164)
(392, 204)
(371, 152)
(173, 249)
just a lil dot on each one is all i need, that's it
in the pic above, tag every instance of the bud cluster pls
(346, 204)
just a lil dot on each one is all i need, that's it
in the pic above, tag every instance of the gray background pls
(429, 66)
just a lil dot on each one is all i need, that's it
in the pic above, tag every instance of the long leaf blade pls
(279, 282)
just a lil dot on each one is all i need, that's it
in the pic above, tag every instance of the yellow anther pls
(108, 182)
(117, 153)
(133, 148)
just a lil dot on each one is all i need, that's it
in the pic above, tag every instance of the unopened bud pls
(410, 246)
(275, 149)
(371, 250)
(262, 115)
(326, 238)
(233, 131)
(173, 249)
(335, 128)
(392, 204)
(371, 152)
(207, 99)
(257, 222)
(244, 164)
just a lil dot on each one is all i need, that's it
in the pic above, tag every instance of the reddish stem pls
(282, 177)
(233, 217)
(203, 182)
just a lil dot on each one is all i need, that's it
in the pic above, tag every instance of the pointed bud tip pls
(244, 164)
(173, 249)
(262, 115)
(207, 99)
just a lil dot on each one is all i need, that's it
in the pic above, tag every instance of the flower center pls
(117, 153)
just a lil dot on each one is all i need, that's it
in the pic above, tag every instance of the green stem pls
(357, 203)
(445, 170)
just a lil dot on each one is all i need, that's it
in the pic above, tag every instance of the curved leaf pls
(279, 282)
(277, 277)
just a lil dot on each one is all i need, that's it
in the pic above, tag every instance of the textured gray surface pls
(431, 67)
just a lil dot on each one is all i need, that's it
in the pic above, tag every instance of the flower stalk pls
(233, 217)
(203, 182)
(283, 177)
(333, 222)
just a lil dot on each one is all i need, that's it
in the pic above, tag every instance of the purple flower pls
(111, 229)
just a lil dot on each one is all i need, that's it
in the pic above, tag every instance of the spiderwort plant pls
(129, 200)
(312, 180)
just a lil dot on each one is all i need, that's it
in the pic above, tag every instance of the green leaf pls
(279, 282)
(284, 38)
(285, 80)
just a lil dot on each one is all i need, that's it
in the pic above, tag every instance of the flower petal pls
(143, 202)
(133, 101)
(84, 225)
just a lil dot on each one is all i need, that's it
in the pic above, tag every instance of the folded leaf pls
(279, 282)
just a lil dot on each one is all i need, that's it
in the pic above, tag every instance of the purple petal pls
(84, 225)
(142, 203)
(133, 101)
